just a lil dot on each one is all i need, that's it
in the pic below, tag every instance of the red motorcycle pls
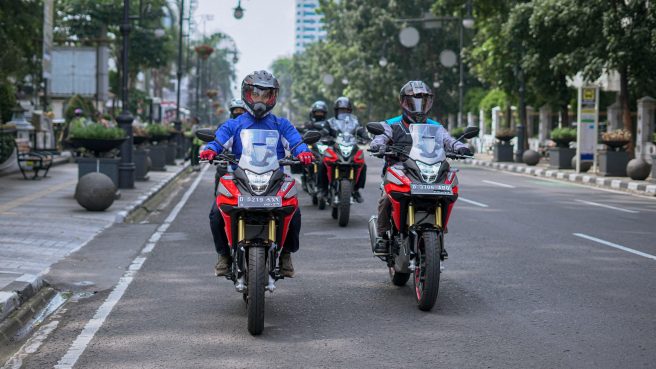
(422, 188)
(257, 201)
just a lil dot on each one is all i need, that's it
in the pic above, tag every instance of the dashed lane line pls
(81, 342)
(616, 246)
(606, 206)
(472, 202)
(498, 184)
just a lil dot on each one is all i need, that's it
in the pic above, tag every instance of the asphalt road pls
(536, 278)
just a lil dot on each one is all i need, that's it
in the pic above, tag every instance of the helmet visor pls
(254, 94)
(417, 103)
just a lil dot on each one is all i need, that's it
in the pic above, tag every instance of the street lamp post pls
(126, 167)
(178, 122)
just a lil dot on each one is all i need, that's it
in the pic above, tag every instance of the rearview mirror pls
(206, 135)
(311, 137)
(471, 132)
(375, 128)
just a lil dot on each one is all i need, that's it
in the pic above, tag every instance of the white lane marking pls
(472, 202)
(91, 328)
(607, 206)
(614, 245)
(498, 184)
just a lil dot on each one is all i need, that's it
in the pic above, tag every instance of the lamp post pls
(178, 123)
(126, 167)
(465, 22)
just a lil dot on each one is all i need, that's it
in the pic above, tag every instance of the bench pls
(32, 161)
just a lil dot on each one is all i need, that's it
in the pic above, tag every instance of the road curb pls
(628, 185)
(18, 318)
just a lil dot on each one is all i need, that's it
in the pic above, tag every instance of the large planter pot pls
(95, 145)
(141, 164)
(503, 152)
(613, 163)
(653, 167)
(106, 166)
(138, 140)
(157, 154)
(561, 157)
(171, 151)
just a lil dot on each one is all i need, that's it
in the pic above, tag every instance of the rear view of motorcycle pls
(422, 188)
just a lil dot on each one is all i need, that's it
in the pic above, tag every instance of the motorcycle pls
(422, 188)
(309, 175)
(344, 162)
(257, 201)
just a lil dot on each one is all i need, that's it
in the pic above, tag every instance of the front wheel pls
(344, 206)
(256, 282)
(427, 272)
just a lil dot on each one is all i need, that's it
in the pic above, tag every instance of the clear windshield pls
(345, 123)
(346, 139)
(259, 150)
(427, 146)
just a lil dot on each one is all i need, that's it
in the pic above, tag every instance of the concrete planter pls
(157, 154)
(106, 166)
(171, 151)
(141, 164)
(653, 167)
(613, 163)
(561, 157)
(503, 152)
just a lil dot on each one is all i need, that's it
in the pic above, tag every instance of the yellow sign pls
(589, 95)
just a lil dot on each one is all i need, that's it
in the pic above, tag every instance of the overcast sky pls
(264, 33)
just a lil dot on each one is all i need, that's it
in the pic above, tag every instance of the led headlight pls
(259, 182)
(429, 173)
(322, 148)
(346, 150)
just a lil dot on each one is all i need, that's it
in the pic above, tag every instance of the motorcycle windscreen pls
(345, 123)
(427, 144)
(259, 153)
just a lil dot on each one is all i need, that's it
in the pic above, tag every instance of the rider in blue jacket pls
(259, 91)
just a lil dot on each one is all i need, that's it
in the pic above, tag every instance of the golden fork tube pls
(352, 174)
(411, 215)
(315, 167)
(272, 230)
(336, 172)
(241, 229)
(438, 216)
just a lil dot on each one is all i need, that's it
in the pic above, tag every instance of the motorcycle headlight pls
(259, 182)
(429, 173)
(322, 148)
(346, 150)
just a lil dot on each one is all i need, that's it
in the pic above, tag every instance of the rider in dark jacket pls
(416, 100)
(259, 90)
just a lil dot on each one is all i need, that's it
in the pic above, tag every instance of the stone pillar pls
(614, 113)
(496, 111)
(545, 123)
(481, 122)
(645, 147)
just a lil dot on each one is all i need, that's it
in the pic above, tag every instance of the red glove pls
(305, 158)
(207, 154)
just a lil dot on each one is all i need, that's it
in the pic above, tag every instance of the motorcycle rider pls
(236, 107)
(343, 110)
(318, 116)
(259, 91)
(416, 100)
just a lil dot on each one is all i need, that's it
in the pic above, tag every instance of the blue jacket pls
(398, 119)
(228, 134)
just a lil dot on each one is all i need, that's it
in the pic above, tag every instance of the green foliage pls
(7, 101)
(494, 97)
(563, 134)
(6, 146)
(21, 28)
(473, 99)
(457, 131)
(155, 130)
(97, 132)
(79, 102)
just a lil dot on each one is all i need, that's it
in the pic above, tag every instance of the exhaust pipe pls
(373, 231)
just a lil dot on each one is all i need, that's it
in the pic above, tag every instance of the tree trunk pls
(626, 110)
(564, 110)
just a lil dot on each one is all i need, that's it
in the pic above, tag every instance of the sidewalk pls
(647, 187)
(41, 223)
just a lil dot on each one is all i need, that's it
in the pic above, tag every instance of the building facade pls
(309, 24)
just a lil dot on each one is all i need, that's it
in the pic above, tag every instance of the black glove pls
(464, 151)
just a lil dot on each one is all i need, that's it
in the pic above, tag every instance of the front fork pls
(240, 265)
(408, 245)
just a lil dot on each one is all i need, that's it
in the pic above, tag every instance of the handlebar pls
(395, 151)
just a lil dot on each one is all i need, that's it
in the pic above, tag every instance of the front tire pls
(427, 272)
(256, 283)
(344, 206)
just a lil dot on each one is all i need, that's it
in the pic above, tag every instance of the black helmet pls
(344, 103)
(416, 99)
(318, 107)
(234, 105)
(259, 90)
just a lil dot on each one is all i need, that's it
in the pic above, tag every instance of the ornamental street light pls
(126, 167)
(239, 11)
(178, 123)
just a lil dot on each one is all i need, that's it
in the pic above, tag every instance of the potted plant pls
(7, 135)
(158, 135)
(613, 160)
(503, 150)
(99, 140)
(140, 154)
(157, 132)
(560, 156)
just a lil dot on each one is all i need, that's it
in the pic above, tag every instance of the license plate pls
(259, 202)
(431, 189)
